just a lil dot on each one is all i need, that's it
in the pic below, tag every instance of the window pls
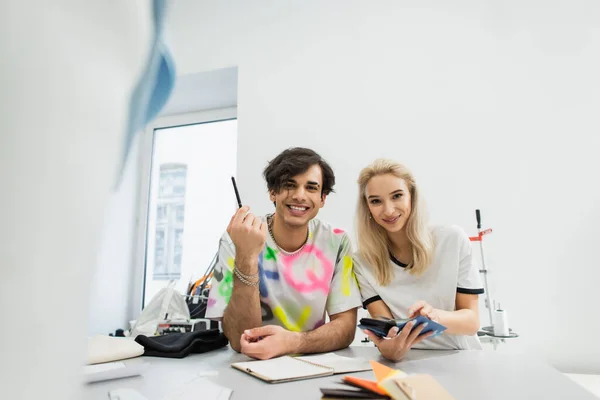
(189, 167)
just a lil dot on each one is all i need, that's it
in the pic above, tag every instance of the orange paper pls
(365, 384)
(381, 371)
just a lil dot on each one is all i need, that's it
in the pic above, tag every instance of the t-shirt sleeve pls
(364, 274)
(222, 280)
(469, 281)
(343, 292)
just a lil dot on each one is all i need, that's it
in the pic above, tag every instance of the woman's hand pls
(395, 345)
(423, 308)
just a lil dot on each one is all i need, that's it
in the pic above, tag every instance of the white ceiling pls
(203, 91)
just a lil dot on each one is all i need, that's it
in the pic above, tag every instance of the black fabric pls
(469, 291)
(397, 262)
(180, 345)
(370, 300)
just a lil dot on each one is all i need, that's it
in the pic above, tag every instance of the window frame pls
(146, 150)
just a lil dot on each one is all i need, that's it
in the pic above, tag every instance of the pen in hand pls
(237, 194)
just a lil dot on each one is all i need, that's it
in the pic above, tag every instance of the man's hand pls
(243, 311)
(395, 346)
(248, 234)
(423, 308)
(268, 341)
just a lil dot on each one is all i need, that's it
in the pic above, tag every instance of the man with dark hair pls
(277, 276)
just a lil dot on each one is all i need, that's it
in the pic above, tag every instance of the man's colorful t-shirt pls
(295, 290)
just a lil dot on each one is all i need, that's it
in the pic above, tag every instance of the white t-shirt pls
(450, 272)
(295, 290)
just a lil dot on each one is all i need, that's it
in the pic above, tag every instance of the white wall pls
(111, 285)
(493, 105)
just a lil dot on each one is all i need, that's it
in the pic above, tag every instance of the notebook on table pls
(289, 368)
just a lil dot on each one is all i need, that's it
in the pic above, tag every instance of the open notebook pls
(288, 368)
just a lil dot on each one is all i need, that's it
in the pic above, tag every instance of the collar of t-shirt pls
(397, 262)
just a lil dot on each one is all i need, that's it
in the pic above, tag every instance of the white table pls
(466, 375)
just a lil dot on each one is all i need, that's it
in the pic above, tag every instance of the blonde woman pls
(406, 268)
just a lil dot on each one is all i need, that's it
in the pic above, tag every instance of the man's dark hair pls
(295, 161)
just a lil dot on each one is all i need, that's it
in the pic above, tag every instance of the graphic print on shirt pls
(348, 275)
(294, 316)
(317, 280)
(296, 291)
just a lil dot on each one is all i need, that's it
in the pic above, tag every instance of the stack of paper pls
(390, 384)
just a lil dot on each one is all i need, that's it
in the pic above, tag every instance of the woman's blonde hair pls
(373, 241)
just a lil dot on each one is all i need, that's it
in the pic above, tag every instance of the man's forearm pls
(334, 335)
(243, 311)
(459, 322)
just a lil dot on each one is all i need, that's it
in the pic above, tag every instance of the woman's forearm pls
(459, 322)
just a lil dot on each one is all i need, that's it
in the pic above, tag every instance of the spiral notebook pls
(288, 368)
